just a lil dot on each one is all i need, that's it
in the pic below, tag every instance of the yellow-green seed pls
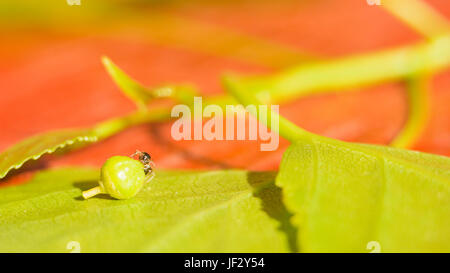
(121, 177)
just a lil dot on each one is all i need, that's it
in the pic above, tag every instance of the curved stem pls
(418, 102)
(423, 18)
(286, 129)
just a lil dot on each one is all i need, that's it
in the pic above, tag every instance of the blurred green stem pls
(322, 77)
(287, 129)
(418, 103)
(419, 15)
(346, 73)
(423, 18)
(113, 126)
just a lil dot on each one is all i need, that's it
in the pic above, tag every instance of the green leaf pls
(34, 147)
(345, 195)
(220, 211)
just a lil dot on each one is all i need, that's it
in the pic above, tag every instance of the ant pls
(145, 159)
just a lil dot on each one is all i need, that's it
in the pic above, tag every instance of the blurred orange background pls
(51, 76)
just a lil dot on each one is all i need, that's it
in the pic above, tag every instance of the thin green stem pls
(419, 15)
(112, 126)
(426, 20)
(92, 192)
(357, 71)
(418, 102)
(286, 129)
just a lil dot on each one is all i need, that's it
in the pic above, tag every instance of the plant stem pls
(92, 192)
(110, 127)
(430, 23)
(418, 102)
(287, 129)
(357, 71)
(419, 15)
(307, 79)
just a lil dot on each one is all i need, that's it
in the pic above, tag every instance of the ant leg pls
(150, 177)
(136, 153)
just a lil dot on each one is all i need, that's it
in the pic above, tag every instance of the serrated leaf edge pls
(49, 151)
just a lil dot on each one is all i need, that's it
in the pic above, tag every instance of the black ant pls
(145, 159)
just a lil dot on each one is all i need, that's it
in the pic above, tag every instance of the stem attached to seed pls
(92, 192)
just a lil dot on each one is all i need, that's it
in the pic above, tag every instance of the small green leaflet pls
(346, 195)
(217, 211)
(34, 147)
(140, 94)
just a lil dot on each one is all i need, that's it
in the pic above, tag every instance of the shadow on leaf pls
(272, 204)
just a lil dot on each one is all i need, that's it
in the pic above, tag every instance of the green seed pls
(121, 177)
